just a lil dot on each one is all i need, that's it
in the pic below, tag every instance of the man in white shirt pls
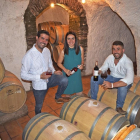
(121, 76)
(35, 64)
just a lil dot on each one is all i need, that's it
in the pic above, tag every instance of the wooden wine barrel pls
(45, 126)
(56, 51)
(57, 33)
(46, 25)
(128, 132)
(136, 85)
(12, 93)
(2, 71)
(50, 47)
(131, 105)
(94, 118)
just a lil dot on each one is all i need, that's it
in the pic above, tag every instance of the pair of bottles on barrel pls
(73, 70)
(95, 73)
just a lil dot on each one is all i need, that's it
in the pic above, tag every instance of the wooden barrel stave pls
(50, 47)
(47, 25)
(45, 126)
(65, 30)
(12, 93)
(56, 51)
(2, 70)
(136, 85)
(57, 33)
(89, 118)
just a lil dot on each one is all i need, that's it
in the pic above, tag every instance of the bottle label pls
(95, 72)
(72, 72)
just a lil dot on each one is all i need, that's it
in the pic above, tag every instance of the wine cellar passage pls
(78, 116)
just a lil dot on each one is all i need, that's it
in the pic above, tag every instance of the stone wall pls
(12, 38)
(105, 27)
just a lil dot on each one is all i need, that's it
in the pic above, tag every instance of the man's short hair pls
(118, 43)
(42, 32)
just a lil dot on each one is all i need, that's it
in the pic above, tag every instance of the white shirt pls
(123, 69)
(34, 63)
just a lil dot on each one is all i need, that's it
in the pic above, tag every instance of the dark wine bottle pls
(73, 70)
(95, 74)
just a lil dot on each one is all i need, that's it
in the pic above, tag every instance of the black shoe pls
(121, 111)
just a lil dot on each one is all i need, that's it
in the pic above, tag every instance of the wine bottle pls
(95, 74)
(73, 70)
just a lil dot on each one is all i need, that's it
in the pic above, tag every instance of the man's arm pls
(25, 71)
(124, 81)
(107, 84)
(26, 64)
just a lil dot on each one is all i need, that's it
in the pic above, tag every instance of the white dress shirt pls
(34, 63)
(123, 69)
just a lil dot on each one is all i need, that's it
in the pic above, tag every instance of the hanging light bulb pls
(83, 1)
(52, 4)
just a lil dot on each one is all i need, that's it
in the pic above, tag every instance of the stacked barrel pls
(57, 36)
(94, 118)
(131, 104)
(83, 118)
(45, 126)
(12, 92)
(80, 119)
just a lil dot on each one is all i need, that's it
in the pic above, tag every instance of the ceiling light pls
(52, 4)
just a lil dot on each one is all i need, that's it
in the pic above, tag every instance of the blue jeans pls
(121, 92)
(54, 80)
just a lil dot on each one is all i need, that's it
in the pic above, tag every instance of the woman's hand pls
(81, 66)
(68, 72)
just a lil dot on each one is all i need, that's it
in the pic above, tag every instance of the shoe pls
(83, 95)
(121, 111)
(67, 98)
(59, 100)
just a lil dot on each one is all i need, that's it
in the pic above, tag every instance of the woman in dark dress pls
(73, 56)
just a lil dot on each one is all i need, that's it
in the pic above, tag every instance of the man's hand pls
(99, 72)
(107, 84)
(58, 72)
(44, 76)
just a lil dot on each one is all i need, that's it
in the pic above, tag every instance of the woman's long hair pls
(66, 46)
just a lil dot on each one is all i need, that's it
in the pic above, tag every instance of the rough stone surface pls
(12, 38)
(108, 20)
(105, 27)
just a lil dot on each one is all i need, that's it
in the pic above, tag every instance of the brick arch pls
(35, 7)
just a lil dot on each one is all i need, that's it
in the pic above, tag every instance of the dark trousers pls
(54, 80)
